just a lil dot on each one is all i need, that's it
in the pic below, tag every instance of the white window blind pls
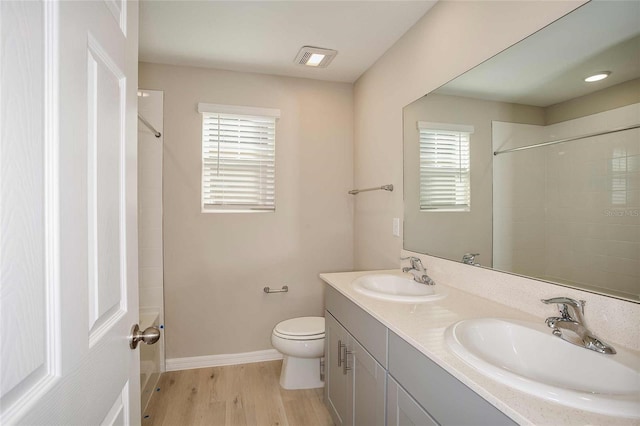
(444, 167)
(238, 158)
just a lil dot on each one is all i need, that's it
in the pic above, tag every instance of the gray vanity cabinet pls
(387, 379)
(366, 387)
(355, 361)
(354, 382)
(444, 397)
(403, 410)
(335, 380)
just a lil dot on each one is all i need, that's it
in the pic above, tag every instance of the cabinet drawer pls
(366, 329)
(443, 396)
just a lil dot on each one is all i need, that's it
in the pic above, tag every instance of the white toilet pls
(301, 341)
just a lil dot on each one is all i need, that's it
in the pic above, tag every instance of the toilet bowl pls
(301, 341)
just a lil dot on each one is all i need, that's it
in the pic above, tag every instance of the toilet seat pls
(302, 328)
(301, 342)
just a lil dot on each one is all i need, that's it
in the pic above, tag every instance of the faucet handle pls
(416, 263)
(579, 304)
(469, 258)
(563, 304)
(408, 258)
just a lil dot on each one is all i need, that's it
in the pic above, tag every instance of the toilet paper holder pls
(284, 289)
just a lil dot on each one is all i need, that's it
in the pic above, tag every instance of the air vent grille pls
(305, 58)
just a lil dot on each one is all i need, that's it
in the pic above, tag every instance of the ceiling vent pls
(315, 56)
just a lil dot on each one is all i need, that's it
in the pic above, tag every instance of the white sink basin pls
(397, 288)
(528, 357)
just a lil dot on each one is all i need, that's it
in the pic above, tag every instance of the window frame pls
(235, 112)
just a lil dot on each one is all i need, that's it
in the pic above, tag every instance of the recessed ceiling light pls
(315, 59)
(315, 56)
(598, 76)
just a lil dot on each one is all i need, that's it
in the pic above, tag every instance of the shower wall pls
(571, 212)
(150, 106)
(150, 246)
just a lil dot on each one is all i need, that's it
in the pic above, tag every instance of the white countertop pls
(423, 325)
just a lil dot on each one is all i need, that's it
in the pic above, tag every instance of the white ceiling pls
(550, 66)
(265, 36)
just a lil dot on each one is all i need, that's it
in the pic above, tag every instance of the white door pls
(68, 295)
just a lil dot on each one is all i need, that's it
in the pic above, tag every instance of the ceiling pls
(265, 36)
(550, 66)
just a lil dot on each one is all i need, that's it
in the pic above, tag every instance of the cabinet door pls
(367, 384)
(335, 385)
(438, 391)
(403, 410)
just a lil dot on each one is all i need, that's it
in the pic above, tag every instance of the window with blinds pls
(445, 181)
(238, 158)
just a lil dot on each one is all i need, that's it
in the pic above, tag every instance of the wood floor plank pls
(185, 390)
(265, 393)
(235, 412)
(236, 395)
(299, 412)
(212, 413)
(320, 410)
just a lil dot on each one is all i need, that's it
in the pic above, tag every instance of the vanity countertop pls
(423, 326)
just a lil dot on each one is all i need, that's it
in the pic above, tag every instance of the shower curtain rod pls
(575, 138)
(156, 133)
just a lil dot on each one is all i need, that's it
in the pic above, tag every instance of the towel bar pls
(383, 187)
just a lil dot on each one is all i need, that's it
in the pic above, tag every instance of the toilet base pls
(300, 373)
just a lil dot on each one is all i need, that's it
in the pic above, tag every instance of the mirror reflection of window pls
(445, 172)
(619, 181)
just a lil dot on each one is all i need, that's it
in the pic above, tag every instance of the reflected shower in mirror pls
(567, 211)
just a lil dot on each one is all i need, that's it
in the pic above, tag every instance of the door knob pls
(149, 336)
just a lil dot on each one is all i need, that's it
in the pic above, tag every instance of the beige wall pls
(217, 264)
(617, 96)
(429, 55)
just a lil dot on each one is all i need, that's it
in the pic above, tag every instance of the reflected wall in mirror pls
(566, 212)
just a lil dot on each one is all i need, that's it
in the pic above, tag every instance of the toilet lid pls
(303, 326)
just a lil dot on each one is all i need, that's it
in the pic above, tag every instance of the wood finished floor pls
(236, 395)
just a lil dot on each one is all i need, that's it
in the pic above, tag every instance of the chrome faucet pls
(418, 271)
(470, 258)
(572, 319)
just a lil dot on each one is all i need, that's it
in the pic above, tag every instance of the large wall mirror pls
(524, 163)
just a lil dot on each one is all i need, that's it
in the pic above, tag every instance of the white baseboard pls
(175, 364)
